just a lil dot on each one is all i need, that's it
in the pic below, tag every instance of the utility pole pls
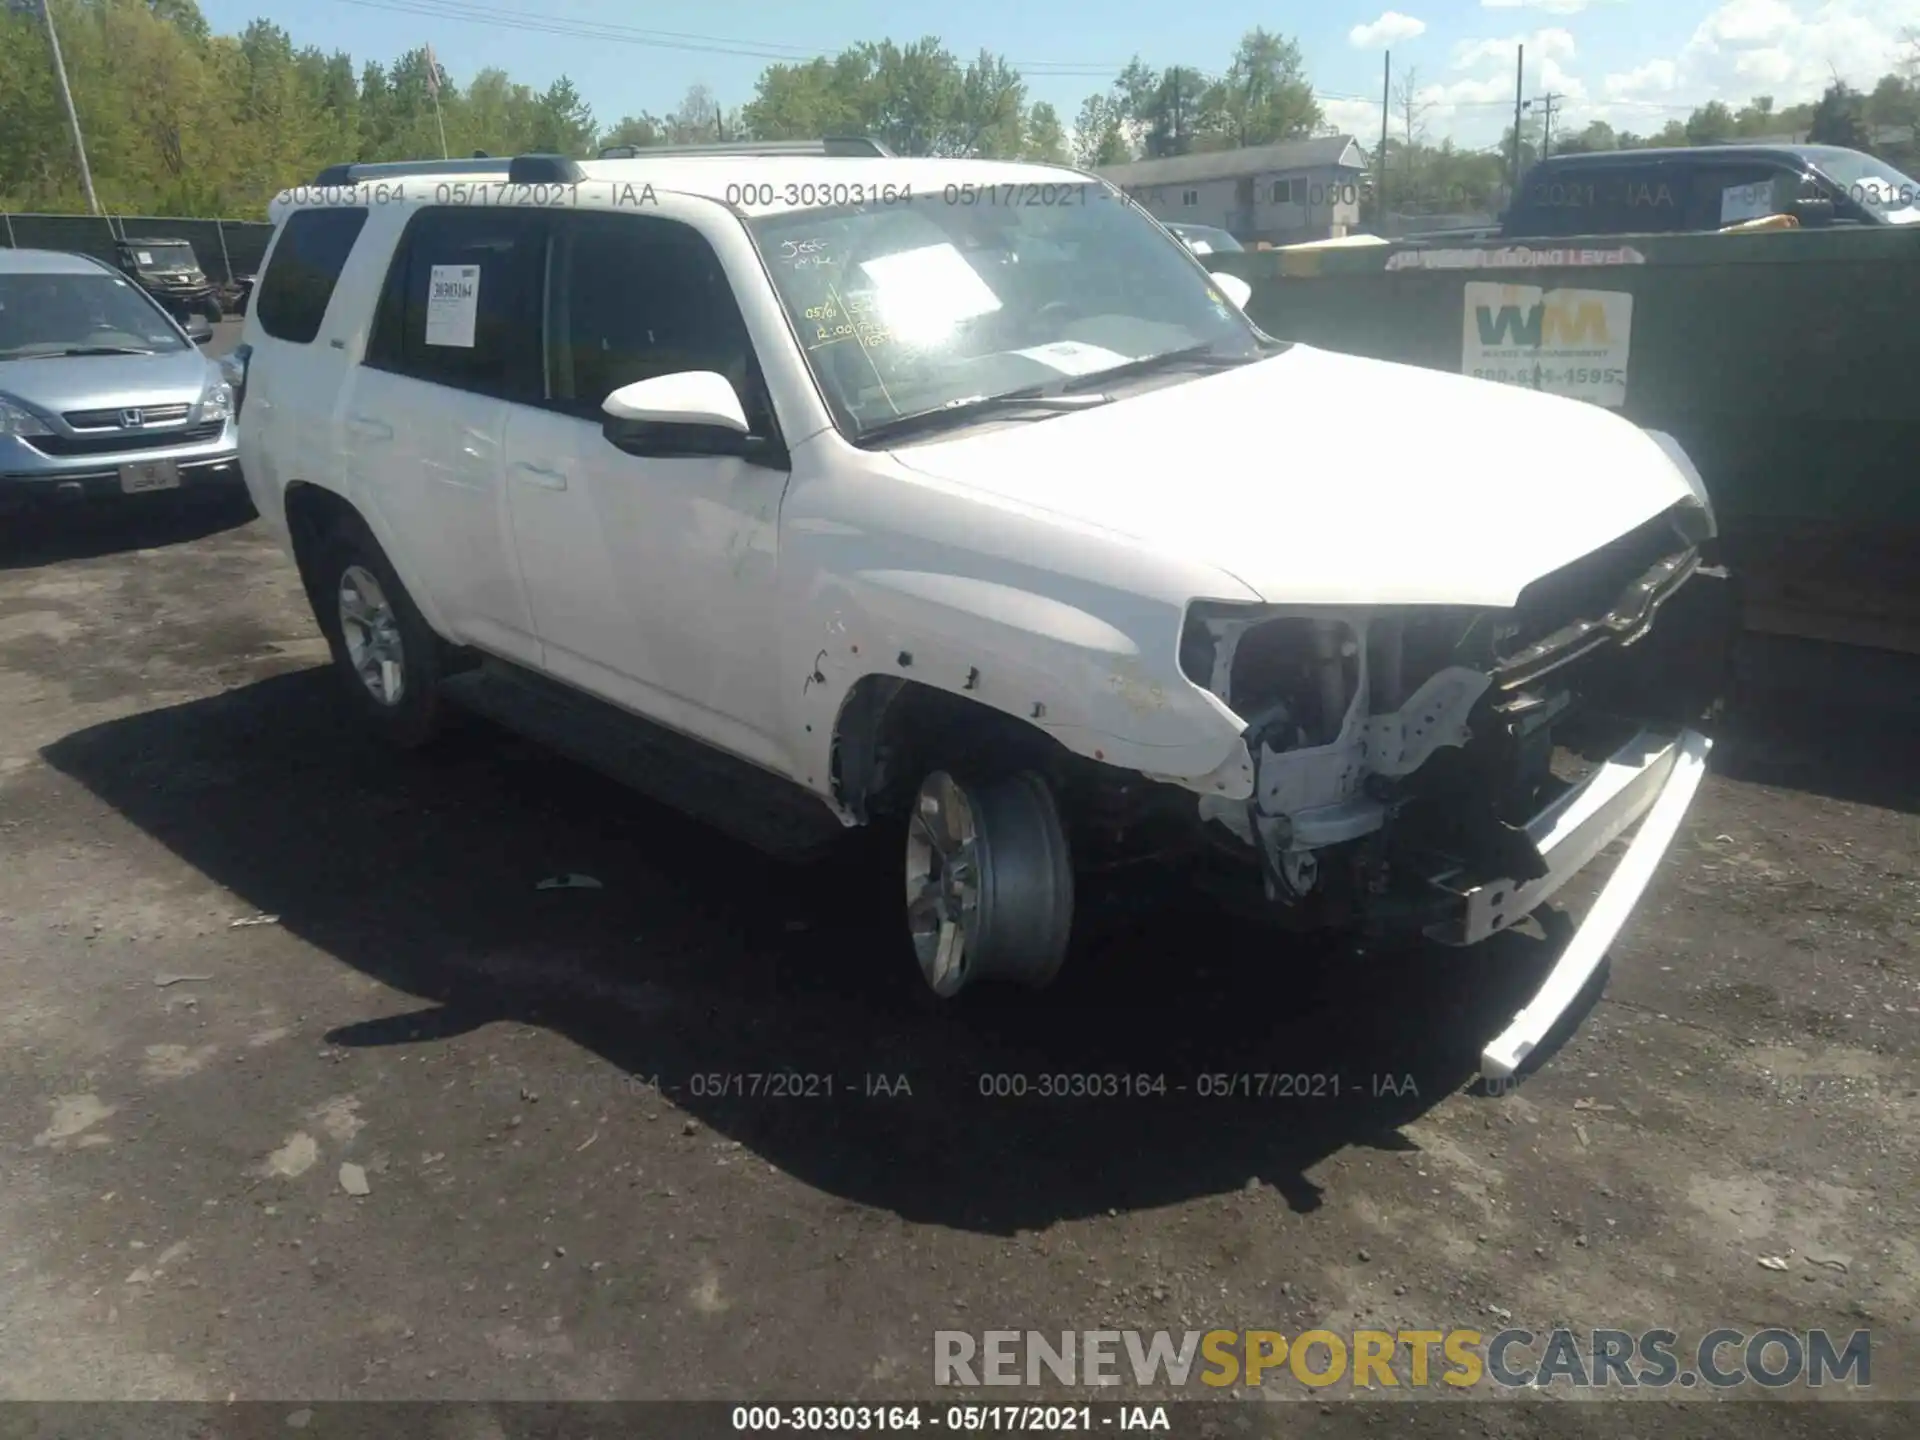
(1519, 90)
(1380, 170)
(1173, 140)
(1548, 103)
(66, 100)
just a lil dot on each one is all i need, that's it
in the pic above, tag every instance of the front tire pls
(383, 649)
(989, 881)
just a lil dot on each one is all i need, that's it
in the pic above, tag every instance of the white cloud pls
(1746, 21)
(1390, 29)
(1789, 49)
(1656, 77)
(1353, 117)
(1542, 44)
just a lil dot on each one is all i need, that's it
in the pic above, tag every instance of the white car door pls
(453, 346)
(651, 577)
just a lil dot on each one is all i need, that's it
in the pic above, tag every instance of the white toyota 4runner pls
(809, 488)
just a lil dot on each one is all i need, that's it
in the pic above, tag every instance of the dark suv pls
(1639, 192)
(170, 272)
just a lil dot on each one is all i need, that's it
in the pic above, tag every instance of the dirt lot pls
(560, 1206)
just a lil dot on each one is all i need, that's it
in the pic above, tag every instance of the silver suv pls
(101, 392)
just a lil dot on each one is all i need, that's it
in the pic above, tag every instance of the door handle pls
(539, 475)
(368, 429)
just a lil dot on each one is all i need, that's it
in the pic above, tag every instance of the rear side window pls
(299, 283)
(1603, 200)
(461, 303)
(1730, 194)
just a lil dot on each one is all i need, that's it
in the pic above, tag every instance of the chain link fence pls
(226, 248)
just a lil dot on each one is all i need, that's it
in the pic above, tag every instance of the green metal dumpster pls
(1786, 362)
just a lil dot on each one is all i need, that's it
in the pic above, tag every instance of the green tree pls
(1099, 134)
(563, 122)
(638, 130)
(1838, 118)
(1045, 140)
(1263, 97)
(1711, 124)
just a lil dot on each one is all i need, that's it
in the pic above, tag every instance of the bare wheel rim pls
(371, 630)
(944, 889)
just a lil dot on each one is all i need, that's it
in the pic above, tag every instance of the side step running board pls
(730, 795)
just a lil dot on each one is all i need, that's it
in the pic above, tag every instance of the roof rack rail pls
(834, 145)
(517, 170)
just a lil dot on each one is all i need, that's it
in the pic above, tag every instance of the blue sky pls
(1634, 63)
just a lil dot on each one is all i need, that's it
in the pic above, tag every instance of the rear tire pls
(383, 649)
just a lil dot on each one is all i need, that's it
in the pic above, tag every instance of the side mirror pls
(701, 399)
(1812, 210)
(200, 337)
(1233, 287)
(689, 413)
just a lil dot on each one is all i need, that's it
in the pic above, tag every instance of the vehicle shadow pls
(85, 532)
(1824, 719)
(699, 958)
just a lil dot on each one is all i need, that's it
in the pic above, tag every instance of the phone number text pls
(1529, 375)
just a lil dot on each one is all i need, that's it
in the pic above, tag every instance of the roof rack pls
(518, 170)
(836, 145)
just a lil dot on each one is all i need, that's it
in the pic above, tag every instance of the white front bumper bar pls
(1653, 776)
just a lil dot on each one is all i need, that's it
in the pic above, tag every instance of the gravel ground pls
(571, 1191)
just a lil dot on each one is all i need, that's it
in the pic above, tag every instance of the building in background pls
(1291, 191)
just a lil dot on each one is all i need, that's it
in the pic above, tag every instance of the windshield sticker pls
(1070, 357)
(144, 257)
(1565, 342)
(1746, 202)
(923, 294)
(1519, 257)
(453, 302)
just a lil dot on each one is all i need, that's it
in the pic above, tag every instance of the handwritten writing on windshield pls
(805, 254)
(835, 320)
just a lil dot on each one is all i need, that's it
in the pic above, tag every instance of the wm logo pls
(1528, 326)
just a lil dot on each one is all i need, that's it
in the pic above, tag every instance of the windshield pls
(53, 314)
(168, 255)
(918, 305)
(1872, 183)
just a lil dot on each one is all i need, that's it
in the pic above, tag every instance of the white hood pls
(1323, 479)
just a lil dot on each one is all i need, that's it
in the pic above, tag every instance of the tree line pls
(181, 121)
(1439, 176)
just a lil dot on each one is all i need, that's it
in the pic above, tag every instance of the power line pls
(782, 53)
(1548, 103)
(672, 39)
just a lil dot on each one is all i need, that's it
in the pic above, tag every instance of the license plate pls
(144, 475)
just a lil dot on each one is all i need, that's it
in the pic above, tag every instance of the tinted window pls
(634, 297)
(1729, 193)
(461, 304)
(306, 265)
(1601, 200)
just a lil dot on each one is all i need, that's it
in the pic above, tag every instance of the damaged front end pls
(1442, 771)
